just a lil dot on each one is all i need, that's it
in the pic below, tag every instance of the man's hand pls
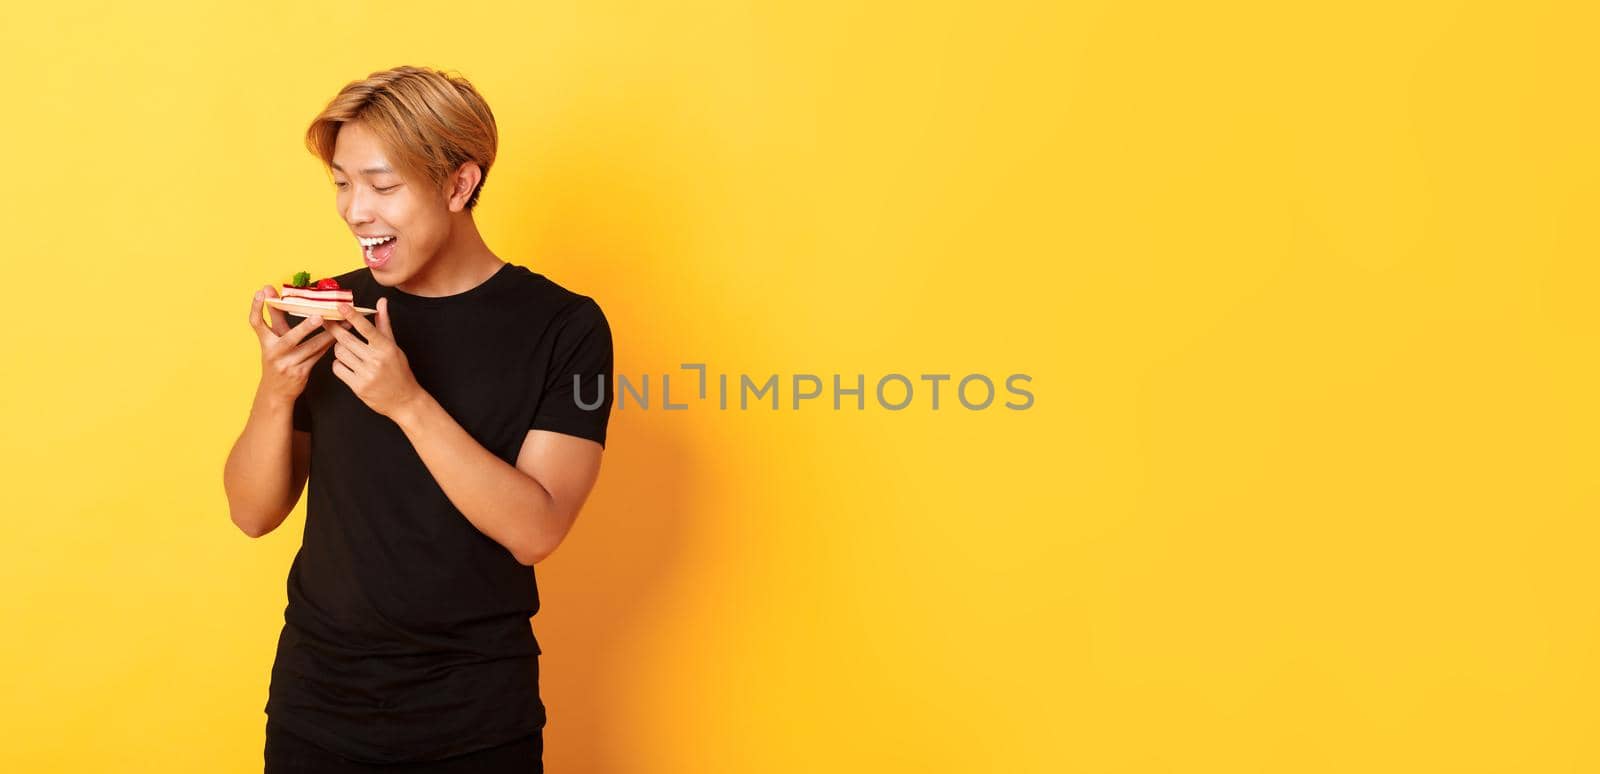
(286, 354)
(376, 370)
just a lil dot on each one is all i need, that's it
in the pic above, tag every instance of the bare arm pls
(267, 468)
(528, 507)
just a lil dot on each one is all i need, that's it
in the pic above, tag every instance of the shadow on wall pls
(598, 598)
(599, 590)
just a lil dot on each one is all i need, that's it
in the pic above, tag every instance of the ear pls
(462, 183)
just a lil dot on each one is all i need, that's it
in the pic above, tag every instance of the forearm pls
(259, 472)
(509, 506)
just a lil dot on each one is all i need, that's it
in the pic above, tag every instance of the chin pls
(384, 276)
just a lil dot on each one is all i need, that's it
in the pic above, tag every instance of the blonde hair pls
(431, 121)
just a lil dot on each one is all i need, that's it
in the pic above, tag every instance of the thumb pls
(383, 317)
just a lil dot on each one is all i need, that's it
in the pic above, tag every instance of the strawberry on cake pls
(302, 296)
(324, 293)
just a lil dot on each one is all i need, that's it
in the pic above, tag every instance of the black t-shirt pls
(407, 634)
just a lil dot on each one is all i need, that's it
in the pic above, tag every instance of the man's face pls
(375, 201)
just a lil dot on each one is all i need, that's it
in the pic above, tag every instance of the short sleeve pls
(577, 394)
(302, 412)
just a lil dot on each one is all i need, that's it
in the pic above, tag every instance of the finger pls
(280, 325)
(383, 317)
(343, 372)
(342, 354)
(349, 313)
(311, 348)
(304, 329)
(255, 315)
(349, 339)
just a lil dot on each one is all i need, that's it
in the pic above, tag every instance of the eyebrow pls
(367, 171)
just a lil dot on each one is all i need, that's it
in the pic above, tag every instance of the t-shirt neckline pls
(465, 295)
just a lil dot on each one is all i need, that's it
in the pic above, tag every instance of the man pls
(449, 442)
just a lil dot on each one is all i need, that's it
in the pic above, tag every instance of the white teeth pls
(373, 242)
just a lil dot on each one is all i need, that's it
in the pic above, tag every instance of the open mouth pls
(378, 250)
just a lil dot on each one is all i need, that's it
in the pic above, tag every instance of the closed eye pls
(341, 184)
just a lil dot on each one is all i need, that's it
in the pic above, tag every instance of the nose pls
(357, 210)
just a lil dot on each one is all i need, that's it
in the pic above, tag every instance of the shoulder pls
(577, 325)
(566, 305)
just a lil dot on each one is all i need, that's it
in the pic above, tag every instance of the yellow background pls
(1308, 486)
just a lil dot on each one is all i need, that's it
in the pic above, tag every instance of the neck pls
(462, 264)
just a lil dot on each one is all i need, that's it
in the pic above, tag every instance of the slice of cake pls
(323, 294)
